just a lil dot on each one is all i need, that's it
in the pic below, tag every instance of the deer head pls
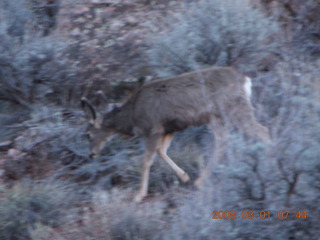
(99, 129)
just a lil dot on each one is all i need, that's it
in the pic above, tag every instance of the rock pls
(81, 10)
(5, 145)
(15, 153)
(75, 32)
(132, 21)
(116, 25)
(108, 43)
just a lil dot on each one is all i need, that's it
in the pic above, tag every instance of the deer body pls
(213, 96)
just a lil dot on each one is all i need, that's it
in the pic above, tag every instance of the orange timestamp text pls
(250, 214)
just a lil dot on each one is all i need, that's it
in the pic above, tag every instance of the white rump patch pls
(247, 87)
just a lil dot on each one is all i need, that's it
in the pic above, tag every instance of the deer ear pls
(101, 98)
(88, 108)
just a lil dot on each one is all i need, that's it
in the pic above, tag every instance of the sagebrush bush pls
(34, 71)
(33, 68)
(15, 16)
(306, 30)
(28, 204)
(8, 118)
(53, 138)
(113, 216)
(214, 32)
(24, 17)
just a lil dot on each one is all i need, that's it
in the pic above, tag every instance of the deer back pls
(172, 104)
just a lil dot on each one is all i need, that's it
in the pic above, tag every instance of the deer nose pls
(92, 155)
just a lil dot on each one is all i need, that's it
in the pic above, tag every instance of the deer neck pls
(122, 121)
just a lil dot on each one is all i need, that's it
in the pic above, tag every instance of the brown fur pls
(172, 104)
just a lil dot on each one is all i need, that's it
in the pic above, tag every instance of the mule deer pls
(213, 96)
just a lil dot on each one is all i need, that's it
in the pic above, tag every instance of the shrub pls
(25, 17)
(214, 33)
(112, 216)
(27, 204)
(33, 68)
(34, 72)
(305, 28)
(52, 138)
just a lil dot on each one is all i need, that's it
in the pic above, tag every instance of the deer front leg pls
(149, 154)
(162, 151)
(147, 163)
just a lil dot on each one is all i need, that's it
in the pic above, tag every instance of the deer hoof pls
(138, 197)
(185, 177)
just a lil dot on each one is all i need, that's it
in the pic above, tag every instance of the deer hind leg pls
(243, 118)
(151, 145)
(220, 133)
(162, 151)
